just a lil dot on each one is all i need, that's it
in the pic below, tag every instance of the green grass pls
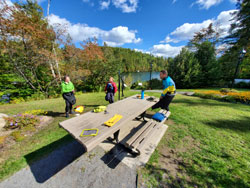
(216, 89)
(218, 154)
(47, 139)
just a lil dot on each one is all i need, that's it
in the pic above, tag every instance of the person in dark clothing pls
(169, 91)
(68, 95)
(110, 90)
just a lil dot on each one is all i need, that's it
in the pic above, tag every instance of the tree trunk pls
(57, 67)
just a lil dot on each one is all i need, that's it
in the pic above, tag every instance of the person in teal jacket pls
(168, 93)
(68, 90)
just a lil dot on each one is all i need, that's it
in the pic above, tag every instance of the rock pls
(2, 121)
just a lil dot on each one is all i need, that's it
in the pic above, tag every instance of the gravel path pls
(70, 167)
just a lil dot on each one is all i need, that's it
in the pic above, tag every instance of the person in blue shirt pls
(169, 91)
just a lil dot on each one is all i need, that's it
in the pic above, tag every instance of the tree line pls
(34, 56)
(210, 60)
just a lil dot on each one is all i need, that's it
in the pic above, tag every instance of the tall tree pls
(185, 69)
(239, 39)
(240, 29)
(27, 40)
(210, 69)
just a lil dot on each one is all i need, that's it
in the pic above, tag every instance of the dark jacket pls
(70, 97)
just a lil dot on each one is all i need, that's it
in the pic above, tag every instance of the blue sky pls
(160, 27)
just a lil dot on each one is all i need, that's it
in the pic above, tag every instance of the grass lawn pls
(49, 138)
(216, 89)
(207, 143)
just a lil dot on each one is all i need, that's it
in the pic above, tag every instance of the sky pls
(159, 27)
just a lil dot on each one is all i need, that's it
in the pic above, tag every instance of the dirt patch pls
(169, 171)
(10, 137)
(170, 159)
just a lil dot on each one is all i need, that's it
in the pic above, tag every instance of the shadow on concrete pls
(119, 151)
(56, 156)
(114, 157)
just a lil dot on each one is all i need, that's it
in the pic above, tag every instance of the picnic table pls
(130, 108)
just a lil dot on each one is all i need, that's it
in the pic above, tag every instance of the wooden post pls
(119, 87)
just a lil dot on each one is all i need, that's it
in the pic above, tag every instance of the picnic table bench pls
(130, 108)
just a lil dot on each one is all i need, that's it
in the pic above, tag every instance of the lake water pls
(142, 76)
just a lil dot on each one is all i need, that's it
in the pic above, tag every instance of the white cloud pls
(166, 50)
(127, 6)
(117, 36)
(206, 4)
(143, 51)
(40, 1)
(88, 2)
(104, 4)
(168, 39)
(233, 1)
(224, 21)
(8, 2)
(187, 30)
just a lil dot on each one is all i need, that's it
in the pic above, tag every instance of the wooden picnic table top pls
(129, 108)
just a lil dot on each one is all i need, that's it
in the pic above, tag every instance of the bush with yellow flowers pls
(225, 95)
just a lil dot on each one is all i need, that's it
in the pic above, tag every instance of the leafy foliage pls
(20, 121)
(185, 70)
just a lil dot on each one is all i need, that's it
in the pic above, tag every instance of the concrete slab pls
(70, 167)
(147, 149)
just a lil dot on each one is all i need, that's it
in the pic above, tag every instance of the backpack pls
(159, 117)
(110, 87)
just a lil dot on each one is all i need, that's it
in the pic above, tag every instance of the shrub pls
(36, 112)
(128, 80)
(16, 100)
(227, 90)
(226, 95)
(140, 85)
(243, 85)
(21, 120)
(155, 84)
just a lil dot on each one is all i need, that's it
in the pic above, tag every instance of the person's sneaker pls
(67, 115)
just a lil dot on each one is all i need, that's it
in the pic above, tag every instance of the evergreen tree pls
(210, 70)
(185, 69)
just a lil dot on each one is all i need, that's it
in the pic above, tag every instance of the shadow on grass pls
(215, 178)
(55, 158)
(242, 124)
(168, 180)
(200, 178)
(208, 102)
(55, 114)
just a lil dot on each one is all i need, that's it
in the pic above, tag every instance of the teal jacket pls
(67, 87)
(168, 86)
